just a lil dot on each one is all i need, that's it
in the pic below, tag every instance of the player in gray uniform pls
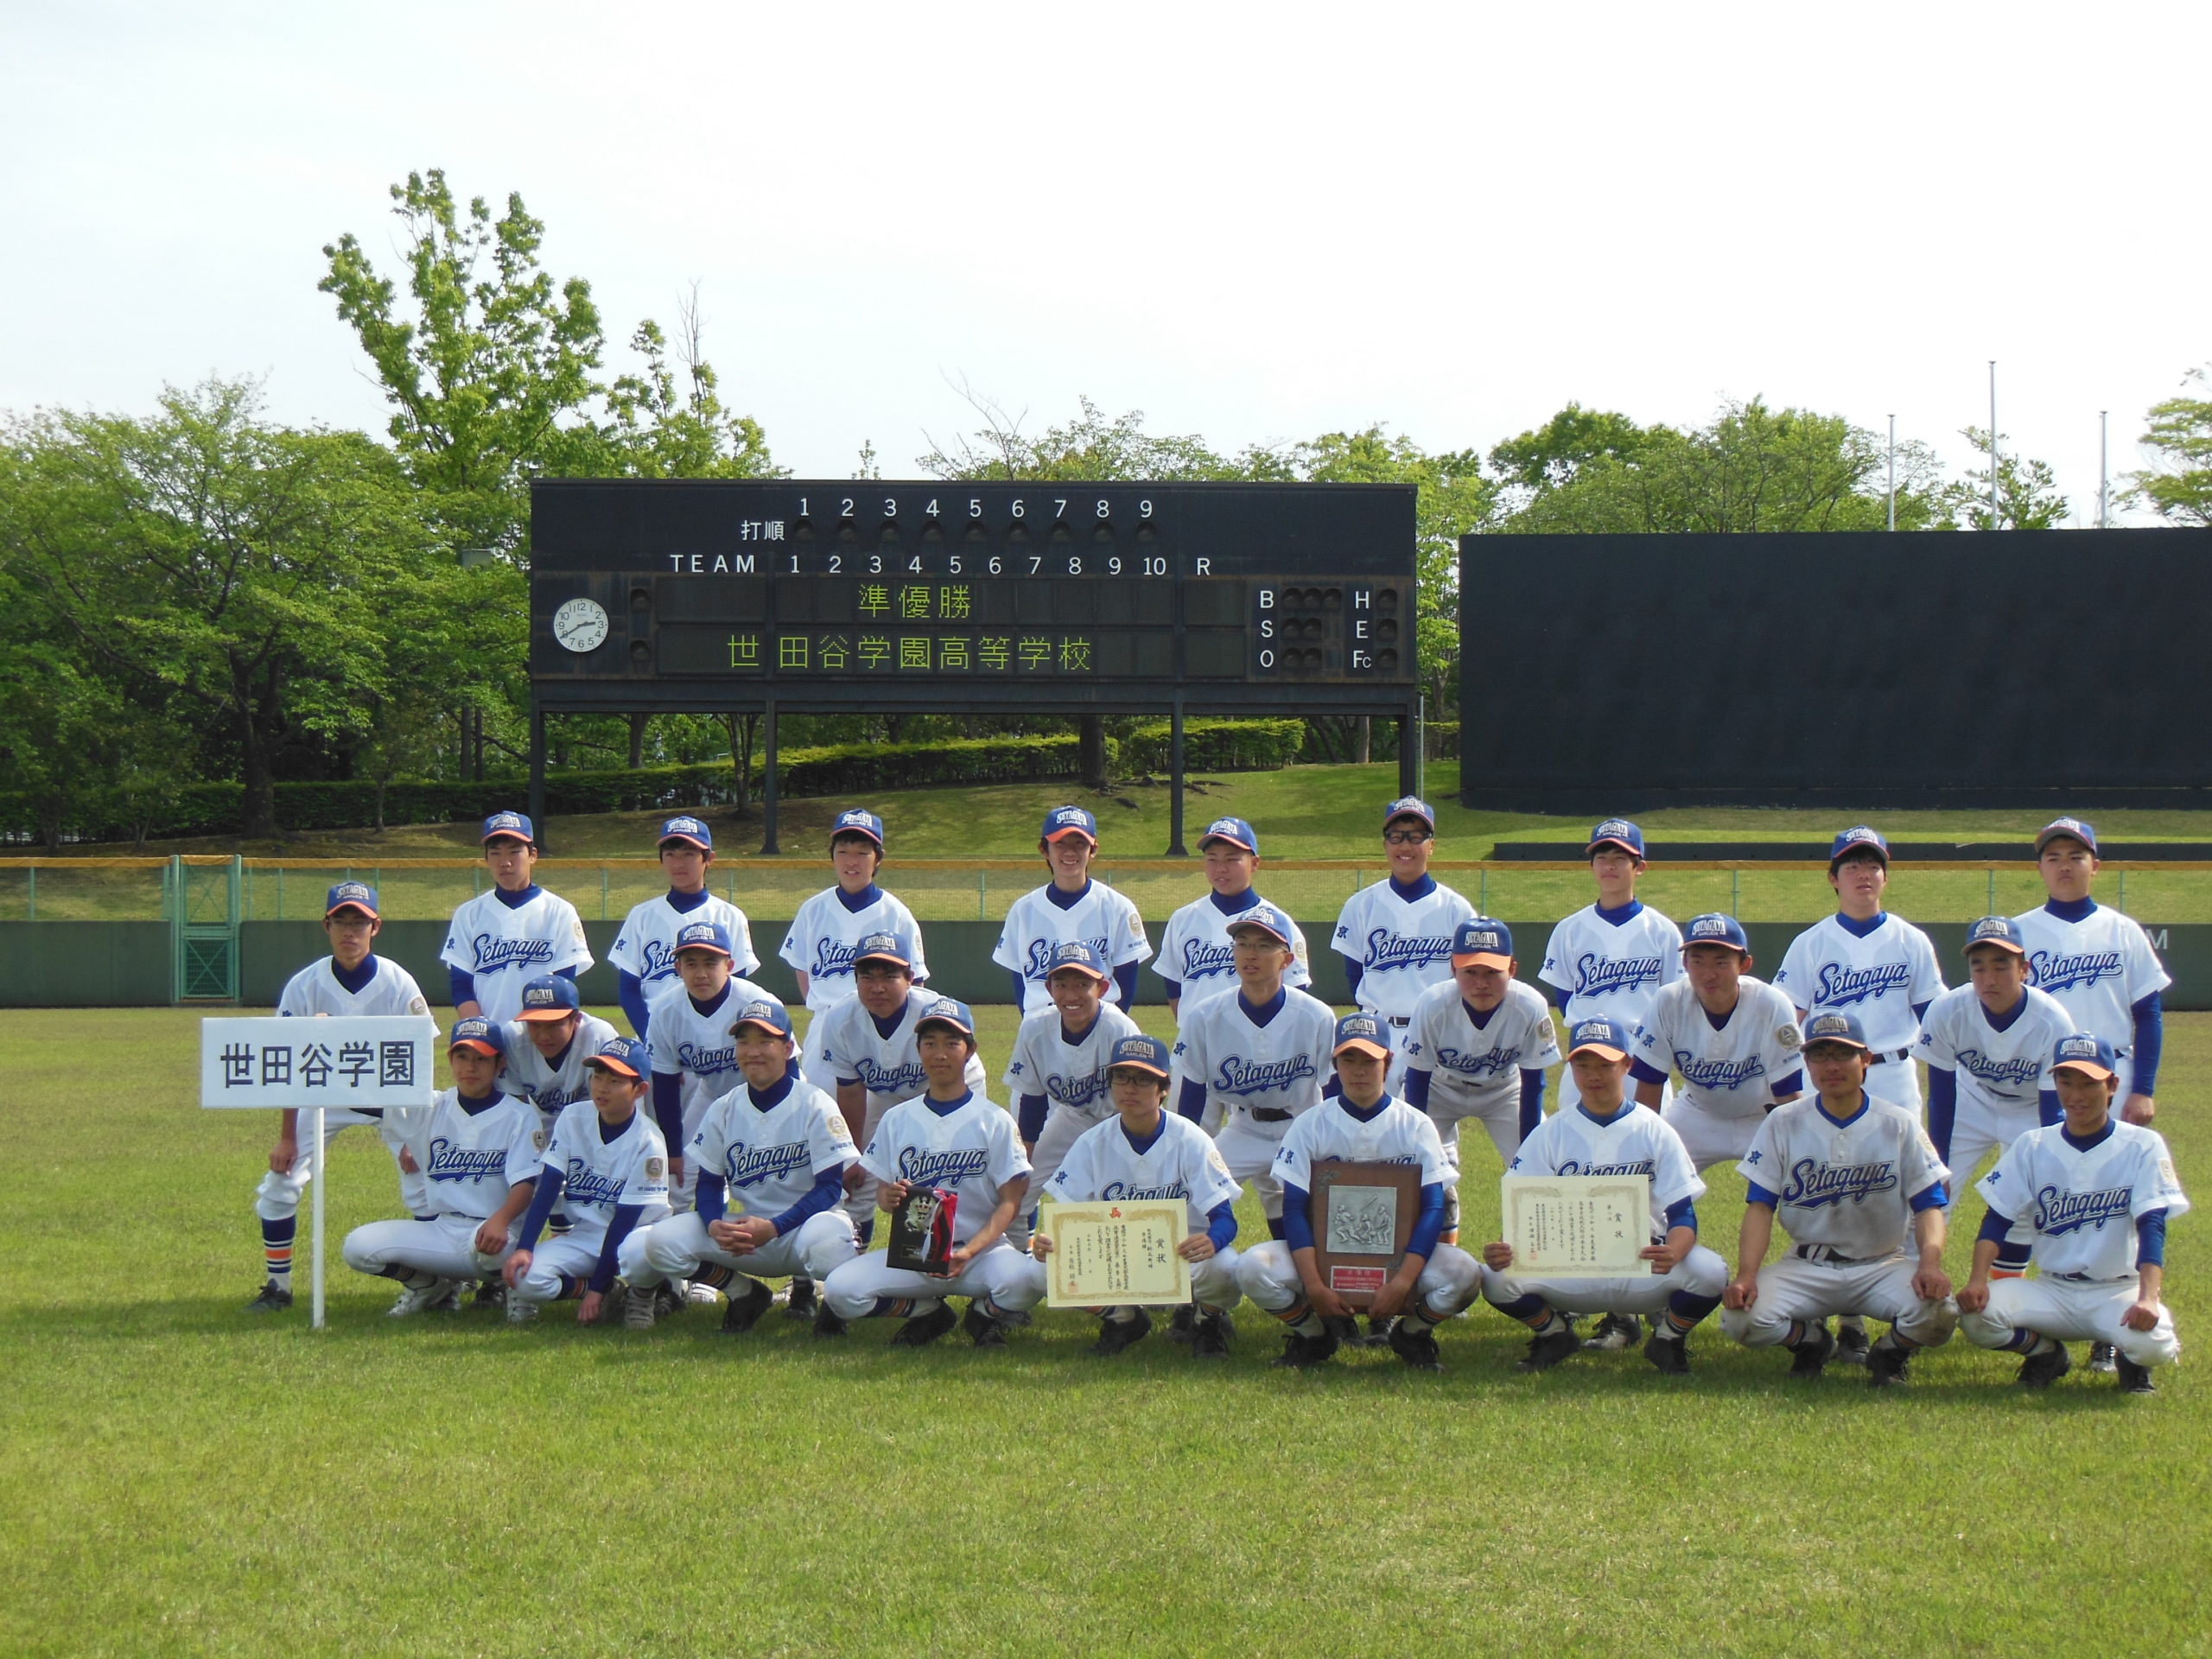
(1848, 1171)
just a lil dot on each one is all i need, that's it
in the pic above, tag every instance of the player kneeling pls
(611, 1163)
(2099, 1283)
(481, 1147)
(771, 1157)
(1850, 1173)
(1605, 1133)
(1149, 1152)
(952, 1138)
(1361, 1124)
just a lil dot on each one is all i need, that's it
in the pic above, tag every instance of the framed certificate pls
(1116, 1254)
(921, 1229)
(1577, 1226)
(1363, 1217)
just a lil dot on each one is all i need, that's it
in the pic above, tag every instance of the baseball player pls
(1606, 1133)
(1145, 1152)
(1847, 1172)
(501, 939)
(1071, 907)
(2096, 1192)
(547, 1046)
(1195, 961)
(1058, 1073)
(951, 1138)
(645, 951)
(1255, 1059)
(1732, 1037)
(351, 980)
(607, 1166)
(481, 1151)
(1987, 1045)
(693, 1058)
(826, 934)
(1396, 936)
(770, 1159)
(1477, 1047)
(1361, 1123)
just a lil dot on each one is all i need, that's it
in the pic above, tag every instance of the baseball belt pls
(1268, 1114)
(2093, 1279)
(1884, 1057)
(1399, 1021)
(1827, 1254)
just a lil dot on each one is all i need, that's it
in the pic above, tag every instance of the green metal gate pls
(201, 904)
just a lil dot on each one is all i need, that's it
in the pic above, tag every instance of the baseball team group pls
(713, 1151)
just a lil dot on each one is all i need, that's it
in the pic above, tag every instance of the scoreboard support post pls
(537, 760)
(1409, 739)
(768, 847)
(1175, 847)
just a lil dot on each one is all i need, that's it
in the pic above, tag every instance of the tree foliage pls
(2177, 486)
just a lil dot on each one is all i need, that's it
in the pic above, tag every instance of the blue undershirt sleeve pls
(1792, 1084)
(625, 1217)
(668, 1109)
(1221, 1225)
(1682, 1213)
(549, 1183)
(2048, 1110)
(1942, 1108)
(2151, 1239)
(2150, 1039)
(1643, 1073)
(1754, 1193)
(1021, 991)
(564, 973)
(710, 1198)
(1427, 1224)
(630, 991)
(1297, 1217)
(829, 1188)
(1029, 1119)
(461, 986)
(1126, 977)
(1352, 972)
(1931, 1197)
(1532, 1099)
(1995, 1226)
(1417, 1090)
(1174, 985)
(1191, 1101)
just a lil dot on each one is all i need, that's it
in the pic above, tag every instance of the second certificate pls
(1116, 1254)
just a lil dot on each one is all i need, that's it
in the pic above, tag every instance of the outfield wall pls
(132, 964)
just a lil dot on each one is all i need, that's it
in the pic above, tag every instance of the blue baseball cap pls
(623, 1056)
(1266, 918)
(687, 829)
(1146, 1053)
(479, 1033)
(548, 997)
(1600, 1034)
(1235, 831)
(1481, 943)
(858, 821)
(1409, 806)
(948, 1010)
(1070, 821)
(765, 1012)
(350, 895)
(1615, 832)
(2001, 931)
(1074, 953)
(1853, 839)
(1714, 928)
(1364, 1032)
(508, 823)
(2080, 828)
(2082, 1052)
(884, 947)
(704, 936)
(1842, 1028)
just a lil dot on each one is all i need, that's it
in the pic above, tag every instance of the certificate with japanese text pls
(1116, 1254)
(1577, 1226)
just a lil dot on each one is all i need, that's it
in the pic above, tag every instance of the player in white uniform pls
(1361, 1123)
(351, 980)
(1058, 1072)
(1732, 1037)
(953, 1139)
(2097, 1194)
(481, 1148)
(607, 1166)
(1396, 936)
(500, 940)
(644, 954)
(1256, 1059)
(1145, 1152)
(1847, 1172)
(770, 1157)
(1195, 961)
(694, 1060)
(547, 1046)
(1605, 1133)
(1988, 1047)
(1071, 907)
(1477, 1047)
(825, 935)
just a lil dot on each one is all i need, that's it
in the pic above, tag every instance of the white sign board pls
(360, 1060)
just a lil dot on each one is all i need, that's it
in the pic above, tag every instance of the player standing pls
(1057, 1071)
(351, 980)
(693, 1058)
(826, 934)
(1396, 936)
(1987, 1045)
(1071, 907)
(501, 939)
(1195, 961)
(644, 954)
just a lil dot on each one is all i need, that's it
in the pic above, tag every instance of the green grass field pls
(184, 1478)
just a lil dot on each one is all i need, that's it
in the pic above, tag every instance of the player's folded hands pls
(1196, 1248)
(1931, 1284)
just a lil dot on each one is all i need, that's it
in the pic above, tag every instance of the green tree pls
(658, 430)
(1551, 455)
(2027, 495)
(2177, 486)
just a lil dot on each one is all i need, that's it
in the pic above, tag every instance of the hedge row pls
(1216, 745)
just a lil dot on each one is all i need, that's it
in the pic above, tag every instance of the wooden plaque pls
(1363, 1217)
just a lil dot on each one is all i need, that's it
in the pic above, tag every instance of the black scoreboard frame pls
(1064, 597)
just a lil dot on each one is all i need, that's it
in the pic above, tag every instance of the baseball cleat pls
(1615, 1330)
(705, 1295)
(490, 1293)
(1114, 1335)
(1415, 1346)
(984, 1330)
(1378, 1331)
(800, 1303)
(421, 1299)
(1670, 1357)
(1851, 1345)
(2041, 1370)
(2133, 1378)
(274, 1298)
(1183, 1324)
(1811, 1357)
(827, 1324)
(746, 1308)
(668, 1298)
(924, 1329)
(1300, 1352)
(1544, 1352)
(2103, 1357)
(519, 1311)
(1885, 1365)
(1344, 1331)
(1210, 1338)
(639, 1309)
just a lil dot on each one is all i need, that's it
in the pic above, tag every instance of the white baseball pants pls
(1249, 1148)
(445, 1245)
(1794, 1288)
(553, 1260)
(278, 1196)
(1700, 1273)
(674, 1249)
(999, 1273)
(1268, 1275)
(1710, 1137)
(2072, 1309)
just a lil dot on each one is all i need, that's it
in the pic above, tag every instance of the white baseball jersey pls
(503, 949)
(769, 1160)
(1402, 946)
(825, 935)
(699, 1047)
(1181, 1162)
(1195, 950)
(549, 1087)
(2098, 968)
(1477, 1067)
(1731, 1072)
(1101, 918)
(1848, 1186)
(1398, 1134)
(1278, 1067)
(603, 1175)
(1634, 1141)
(2083, 1204)
(1067, 1074)
(646, 948)
(971, 1150)
(1613, 967)
(470, 1159)
(886, 1063)
(1880, 977)
(314, 990)
(2002, 1070)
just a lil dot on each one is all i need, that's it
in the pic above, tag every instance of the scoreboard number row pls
(848, 507)
(998, 564)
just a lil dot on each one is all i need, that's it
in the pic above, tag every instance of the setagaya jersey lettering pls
(1402, 946)
(698, 1047)
(600, 1175)
(469, 1159)
(550, 1085)
(887, 1063)
(2001, 1069)
(504, 948)
(1100, 917)
(826, 934)
(1069, 1075)
(1278, 1066)
(2098, 968)
(645, 949)
(1613, 967)
(1880, 974)
(1735, 1071)
(770, 1159)
(1474, 1066)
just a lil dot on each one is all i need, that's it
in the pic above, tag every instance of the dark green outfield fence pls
(137, 964)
